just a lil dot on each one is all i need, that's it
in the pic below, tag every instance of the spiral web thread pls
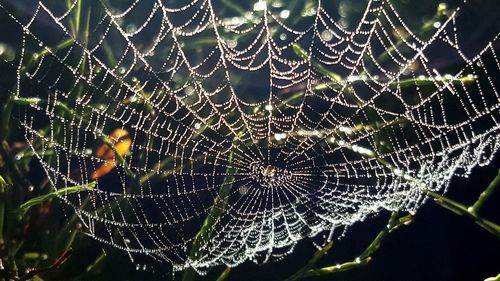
(305, 126)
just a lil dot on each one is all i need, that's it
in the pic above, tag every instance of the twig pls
(63, 191)
(32, 273)
(485, 194)
(216, 211)
(312, 262)
(3, 185)
(299, 51)
(59, 261)
(96, 265)
(366, 256)
(425, 32)
(11, 166)
(121, 160)
(496, 278)
(462, 210)
(224, 275)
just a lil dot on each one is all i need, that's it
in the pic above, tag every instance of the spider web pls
(294, 126)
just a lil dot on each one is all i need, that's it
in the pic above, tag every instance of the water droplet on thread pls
(243, 189)
(327, 35)
(131, 28)
(232, 43)
(284, 14)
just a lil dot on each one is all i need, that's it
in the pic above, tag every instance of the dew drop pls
(232, 43)
(284, 14)
(19, 156)
(235, 21)
(327, 35)
(131, 28)
(277, 4)
(260, 6)
(189, 90)
(243, 189)
(343, 23)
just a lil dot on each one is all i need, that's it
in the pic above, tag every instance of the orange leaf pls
(121, 142)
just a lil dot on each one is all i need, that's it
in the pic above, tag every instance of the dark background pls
(437, 245)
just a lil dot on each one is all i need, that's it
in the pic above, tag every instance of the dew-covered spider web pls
(269, 122)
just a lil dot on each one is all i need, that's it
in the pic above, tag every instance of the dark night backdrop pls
(437, 245)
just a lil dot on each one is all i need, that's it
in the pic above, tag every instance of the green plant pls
(28, 208)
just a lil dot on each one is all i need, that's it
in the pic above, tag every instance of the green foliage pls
(20, 209)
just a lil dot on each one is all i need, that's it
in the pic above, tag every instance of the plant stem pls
(312, 262)
(426, 31)
(3, 185)
(13, 169)
(235, 7)
(336, 268)
(59, 261)
(430, 81)
(485, 194)
(216, 211)
(63, 191)
(36, 57)
(299, 51)
(224, 275)
(121, 160)
(365, 257)
(464, 211)
(96, 266)
(6, 112)
(496, 278)
(41, 102)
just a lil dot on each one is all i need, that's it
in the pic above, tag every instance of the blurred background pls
(437, 245)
